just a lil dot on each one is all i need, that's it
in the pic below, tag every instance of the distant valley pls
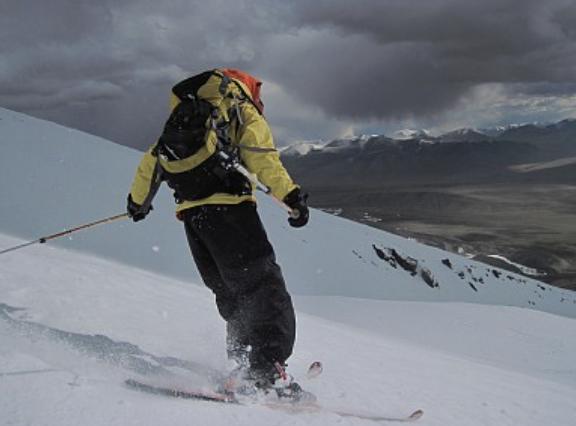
(507, 193)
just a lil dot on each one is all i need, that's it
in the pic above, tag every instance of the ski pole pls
(42, 240)
(229, 160)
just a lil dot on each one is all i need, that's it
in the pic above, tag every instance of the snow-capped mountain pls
(412, 186)
(496, 131)
(73, 326)
(566, 123)
(463, 135)
(564, 130)
(408, 134)
(472, 156)
(343, 144)
(302, 147)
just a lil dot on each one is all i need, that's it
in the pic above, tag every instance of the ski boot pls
(283, 386)
(272, 384)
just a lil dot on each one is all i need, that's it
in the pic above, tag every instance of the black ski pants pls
(237, 262)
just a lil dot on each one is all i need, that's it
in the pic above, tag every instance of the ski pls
(295, 408)
(314, 370)
(199, 394)
(290, 407)
(376, 418)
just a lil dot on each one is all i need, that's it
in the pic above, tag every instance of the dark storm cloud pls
(366, 85)
(106, 66)
(389, 58)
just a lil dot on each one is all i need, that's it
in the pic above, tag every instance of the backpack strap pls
(256, 148)
(224, 83)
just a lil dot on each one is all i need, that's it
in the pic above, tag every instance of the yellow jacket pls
(257, 151)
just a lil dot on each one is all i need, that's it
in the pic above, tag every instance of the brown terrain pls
(508, 198)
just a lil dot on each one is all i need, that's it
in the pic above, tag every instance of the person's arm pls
(141, 186)
(260, 156)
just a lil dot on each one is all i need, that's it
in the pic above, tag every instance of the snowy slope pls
(52, 177)
(73, 327)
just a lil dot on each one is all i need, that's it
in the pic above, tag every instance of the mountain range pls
(415, 154)
(508, 190)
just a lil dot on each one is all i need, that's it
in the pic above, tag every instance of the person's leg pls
(238, 244)
(237, 343)
(236, 335)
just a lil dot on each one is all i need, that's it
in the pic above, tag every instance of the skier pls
(221, 111)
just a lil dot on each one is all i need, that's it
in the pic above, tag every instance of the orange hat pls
(252, 83)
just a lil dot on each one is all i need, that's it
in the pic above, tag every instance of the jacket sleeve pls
(260, 156)
(143, 177)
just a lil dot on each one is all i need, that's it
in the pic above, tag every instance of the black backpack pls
(188, 149)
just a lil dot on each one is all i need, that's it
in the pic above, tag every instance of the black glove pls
(135, 211)
(297, 202)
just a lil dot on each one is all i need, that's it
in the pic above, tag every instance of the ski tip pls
(415, 415)
(314, 370)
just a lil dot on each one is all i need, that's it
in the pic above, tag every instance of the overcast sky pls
(331, 67)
